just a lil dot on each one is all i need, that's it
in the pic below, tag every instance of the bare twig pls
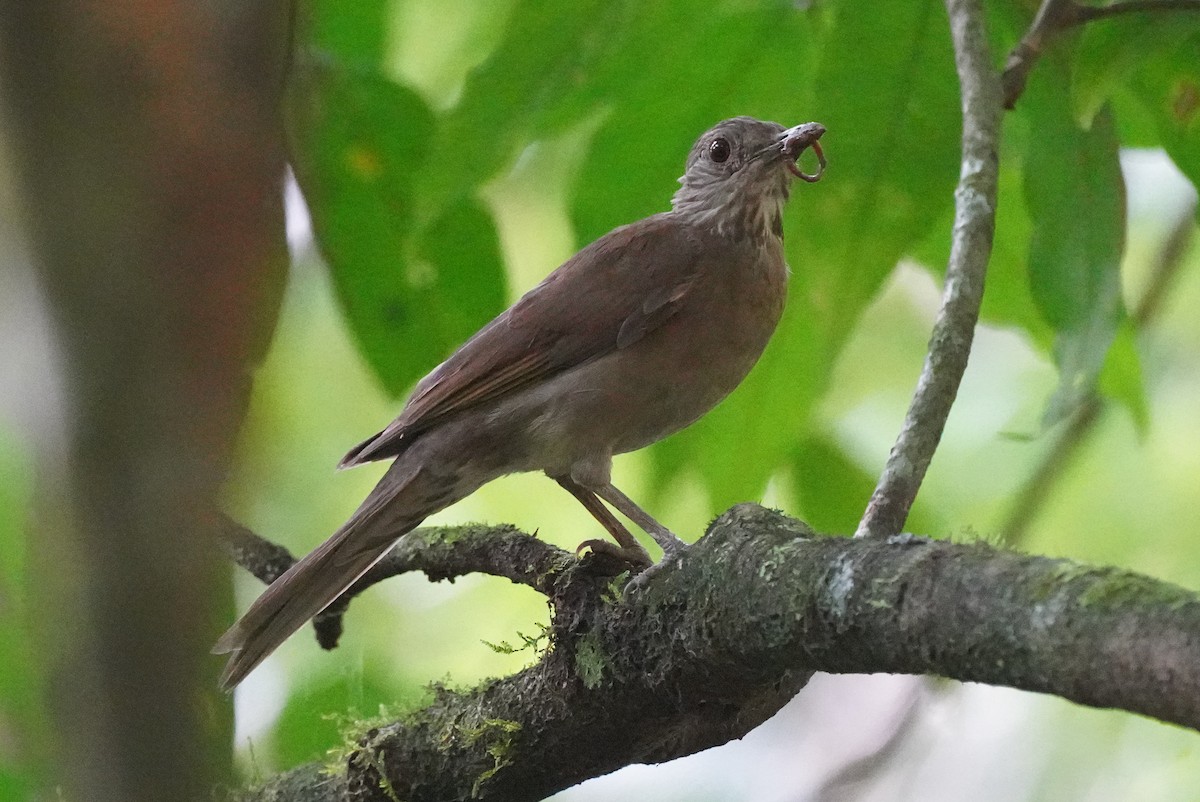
(1032, 497)
(974, 223)
(265, 560)
(1056, 16)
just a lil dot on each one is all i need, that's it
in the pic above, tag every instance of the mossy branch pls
(714, 642)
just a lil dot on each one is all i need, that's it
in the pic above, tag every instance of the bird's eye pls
(718, 150)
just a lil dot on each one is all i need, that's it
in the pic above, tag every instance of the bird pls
(632, 339)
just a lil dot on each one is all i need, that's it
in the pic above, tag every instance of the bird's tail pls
(396, 506)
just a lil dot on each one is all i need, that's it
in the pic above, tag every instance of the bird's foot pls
(668, 541)
(670, 559)
(608, 559)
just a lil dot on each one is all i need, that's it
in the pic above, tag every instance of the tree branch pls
(714, 643)
(971, 246)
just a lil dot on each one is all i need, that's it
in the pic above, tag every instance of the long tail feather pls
(396, 506)
(306, 589)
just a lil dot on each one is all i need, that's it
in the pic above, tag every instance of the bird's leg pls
(628, 549)
(665, 538)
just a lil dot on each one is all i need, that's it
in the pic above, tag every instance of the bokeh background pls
(447, 155)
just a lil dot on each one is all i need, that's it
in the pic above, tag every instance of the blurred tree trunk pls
(151, 159)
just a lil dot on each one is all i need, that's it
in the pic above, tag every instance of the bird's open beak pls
(795, 141)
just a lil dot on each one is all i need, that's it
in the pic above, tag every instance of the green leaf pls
(545, 55)
(465, 283)
(1169, 85)
(1121, 376)
(559, 66)
(832, 490)
(410, 293)
(321, 720)
(1076, 199)
(893, 157)
(1110, 51)
(355, 32)
(25, 762)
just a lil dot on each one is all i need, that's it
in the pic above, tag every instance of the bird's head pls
(739, 172)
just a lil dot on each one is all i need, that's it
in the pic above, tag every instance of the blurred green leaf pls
(410, 295)
(23, 718)
(355, 32)
(466, 288)
(1110, 50)
(558, 66)
(1121, 376)
(1075, 195)
(318, 718)
(832, 489)
(546, 53)
(893, 124)
(1169, 85)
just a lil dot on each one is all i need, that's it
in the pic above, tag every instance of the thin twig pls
(1032, 497)
(974, 223)
(265, 560)
(1052, 16)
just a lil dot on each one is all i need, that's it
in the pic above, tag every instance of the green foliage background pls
(452, 153)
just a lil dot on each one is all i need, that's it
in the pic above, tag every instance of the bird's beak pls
(795, 141)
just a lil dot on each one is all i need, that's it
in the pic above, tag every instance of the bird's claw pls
(671, 558)
(609, 559)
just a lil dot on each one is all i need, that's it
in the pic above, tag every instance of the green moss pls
(1048, 583)
(336, 766)
(1108, 588)
(538, 643)
(354, 731)
(613, 593)
(590, 661)
(1117, 590)
(500, 736)
(449, 535)
(385, 784)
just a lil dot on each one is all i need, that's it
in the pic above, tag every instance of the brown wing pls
(606, 297)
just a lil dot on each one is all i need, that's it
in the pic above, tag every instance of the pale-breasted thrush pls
(632, 339)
